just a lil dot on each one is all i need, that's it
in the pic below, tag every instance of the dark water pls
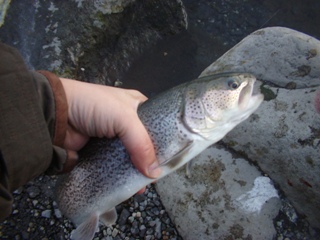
(214, 28)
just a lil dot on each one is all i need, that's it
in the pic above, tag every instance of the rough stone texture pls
(225, 198)
(94, 41)
(279, 55)
(283, 136)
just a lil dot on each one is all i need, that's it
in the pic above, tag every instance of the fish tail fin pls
(87, 229)
(109, 217)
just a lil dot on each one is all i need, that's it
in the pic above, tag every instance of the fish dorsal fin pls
(109, 217)
(87, 229)
(178, 158)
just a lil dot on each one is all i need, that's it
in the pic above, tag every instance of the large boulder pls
(224, 198)
(93, 41)
(279, 55)
(281, 138)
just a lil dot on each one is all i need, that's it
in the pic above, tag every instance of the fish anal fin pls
(178, 158)
(109, 217)
(87, 229)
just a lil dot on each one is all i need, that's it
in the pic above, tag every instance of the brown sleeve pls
(55, 108)
(60, 110)
(31, 137)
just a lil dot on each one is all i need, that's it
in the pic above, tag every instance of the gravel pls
(142, 216)
(41, 219)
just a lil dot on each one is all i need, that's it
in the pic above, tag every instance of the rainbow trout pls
(181, 122)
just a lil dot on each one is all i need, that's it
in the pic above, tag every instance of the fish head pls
(215, 104)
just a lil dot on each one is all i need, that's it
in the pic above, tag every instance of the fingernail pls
(154, 170)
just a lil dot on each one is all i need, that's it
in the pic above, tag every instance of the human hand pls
(103, 111)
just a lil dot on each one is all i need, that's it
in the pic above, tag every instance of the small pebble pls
(131, 219)
(46, 213)
(123, 217)
(152, 223)
(33, 191)
(57, 213)
(15, 211)
(115, 232)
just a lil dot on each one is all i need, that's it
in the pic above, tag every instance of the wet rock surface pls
(94, 41)
(213, 28)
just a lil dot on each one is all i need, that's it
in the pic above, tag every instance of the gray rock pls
(57, 213)
(284, 141)
(115, 232)
(143, 230)
(225, 198)
(135, 228)
(158, 233)
(97, 41)
(276, 54)
(283, 136)
(148, 237)
(33, 191)
(232, 199)
(124, 216)
(139, 198)
(46, 213)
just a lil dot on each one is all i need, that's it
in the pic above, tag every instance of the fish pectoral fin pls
(109, 217)
(87, 229)
(178, 157)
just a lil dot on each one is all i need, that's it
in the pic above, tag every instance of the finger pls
(140, 148)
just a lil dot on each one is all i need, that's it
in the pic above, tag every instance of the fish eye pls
(233, 84)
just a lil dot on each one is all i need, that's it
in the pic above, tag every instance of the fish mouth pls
(247, 99)
(245, 95)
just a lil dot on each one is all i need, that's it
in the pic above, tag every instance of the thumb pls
(140, 148)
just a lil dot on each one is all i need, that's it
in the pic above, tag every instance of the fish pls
(181, 122)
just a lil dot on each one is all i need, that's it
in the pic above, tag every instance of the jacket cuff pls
(61, 108)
